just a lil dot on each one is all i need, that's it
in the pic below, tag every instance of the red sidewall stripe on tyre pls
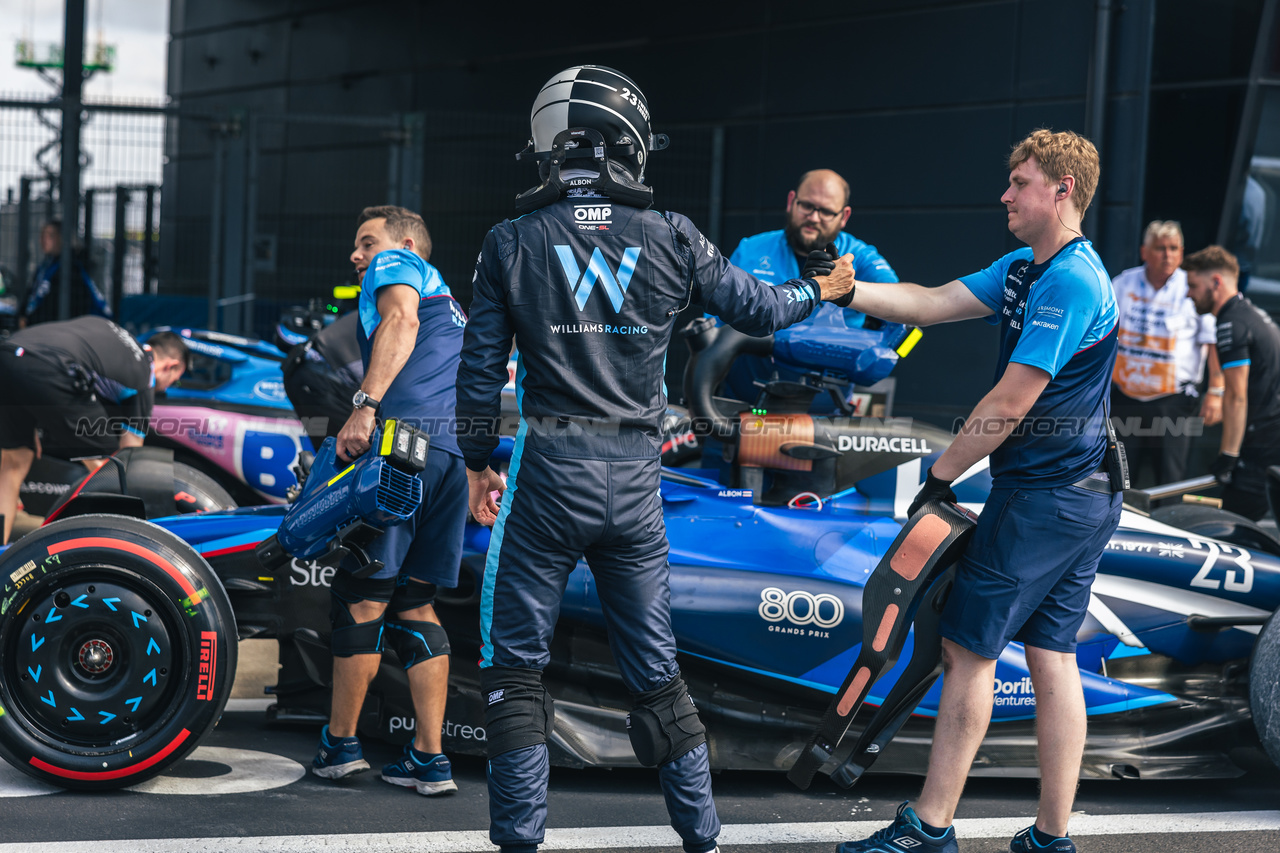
(107, 775)
(120, 545)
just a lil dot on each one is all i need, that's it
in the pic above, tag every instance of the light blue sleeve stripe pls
(1239, 363)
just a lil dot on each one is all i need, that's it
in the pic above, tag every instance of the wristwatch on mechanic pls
(361, 400)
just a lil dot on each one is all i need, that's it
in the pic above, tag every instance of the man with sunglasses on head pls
(817, 210)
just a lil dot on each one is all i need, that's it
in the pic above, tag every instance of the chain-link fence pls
(122, 151)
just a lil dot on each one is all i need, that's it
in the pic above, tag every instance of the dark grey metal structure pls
(916, 102)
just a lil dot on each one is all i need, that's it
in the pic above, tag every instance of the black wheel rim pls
(95, 659)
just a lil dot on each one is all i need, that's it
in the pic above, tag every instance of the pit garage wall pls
(917, 103)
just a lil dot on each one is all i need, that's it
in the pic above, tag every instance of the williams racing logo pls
(598, 272)
(800, 612)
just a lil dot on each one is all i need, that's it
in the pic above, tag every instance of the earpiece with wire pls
(1062, 192)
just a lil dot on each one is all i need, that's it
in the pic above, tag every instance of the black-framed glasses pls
(807, 209)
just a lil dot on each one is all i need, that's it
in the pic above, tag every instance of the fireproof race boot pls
(427, 774)
(1026, 842)
(904, 833)
(338, 759)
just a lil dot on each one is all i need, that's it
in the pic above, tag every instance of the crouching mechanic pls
(590, 282)
(410, 333)
(1026, 573)
(81, 387)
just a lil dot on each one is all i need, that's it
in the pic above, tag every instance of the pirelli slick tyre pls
(1264, 687)
(117, 651)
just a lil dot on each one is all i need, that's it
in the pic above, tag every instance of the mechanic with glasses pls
(817, 210)
(1055, 499)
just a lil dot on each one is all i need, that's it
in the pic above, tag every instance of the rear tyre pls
(1218, 524)
(1264, 688)
(196, 491)
(117, 651)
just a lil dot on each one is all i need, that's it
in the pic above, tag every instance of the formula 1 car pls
(117, 635)
(229, 417)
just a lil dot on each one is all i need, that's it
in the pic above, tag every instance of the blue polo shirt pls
(769, 257)
(423, 392)
(1059, 316)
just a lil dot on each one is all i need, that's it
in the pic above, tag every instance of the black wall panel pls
(916, 102)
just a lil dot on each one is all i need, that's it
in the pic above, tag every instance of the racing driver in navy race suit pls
(589, 281)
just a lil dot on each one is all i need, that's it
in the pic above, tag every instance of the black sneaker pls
(904, 834)
(1025, 842)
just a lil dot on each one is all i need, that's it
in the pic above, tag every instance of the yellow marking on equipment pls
(349, 469)
(388, 435)
(346, 291)
(268, 580)
(912, 339)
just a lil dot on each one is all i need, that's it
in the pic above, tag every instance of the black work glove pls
(932, 490)
(1223, 468)
(820, 262)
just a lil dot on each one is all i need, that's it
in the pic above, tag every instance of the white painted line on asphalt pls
(612, 837)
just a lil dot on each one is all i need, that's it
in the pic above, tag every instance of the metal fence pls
(122, 152)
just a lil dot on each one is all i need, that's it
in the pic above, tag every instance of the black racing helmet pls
(590, 112)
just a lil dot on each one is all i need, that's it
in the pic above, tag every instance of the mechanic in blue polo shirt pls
(817, 210)
(1027, 571)
(410, 335)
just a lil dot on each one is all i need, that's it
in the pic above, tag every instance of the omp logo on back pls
(582, 283)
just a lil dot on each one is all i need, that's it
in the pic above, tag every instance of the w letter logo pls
(598, 271)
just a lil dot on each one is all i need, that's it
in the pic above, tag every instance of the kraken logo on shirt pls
(582, 283)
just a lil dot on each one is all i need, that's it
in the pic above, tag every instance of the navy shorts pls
(1027, 571)
(428, 546)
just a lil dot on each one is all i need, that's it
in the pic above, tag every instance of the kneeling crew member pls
(410, 333)
(1249, 351)
(590, 282)
(80, 387)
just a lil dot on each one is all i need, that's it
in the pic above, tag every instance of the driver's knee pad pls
(520, 711)
(415, 642)
(663, 725)
(350, 637)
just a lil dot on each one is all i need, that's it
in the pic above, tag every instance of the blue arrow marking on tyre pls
(133, 703)
(150, 676)
(136, 617)
(106, 717)
(78, 716)
(54, 616)
(152, 644)
(35, 673)
(36, 642)
(108, 602)
(48, 700)
(79, 602)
